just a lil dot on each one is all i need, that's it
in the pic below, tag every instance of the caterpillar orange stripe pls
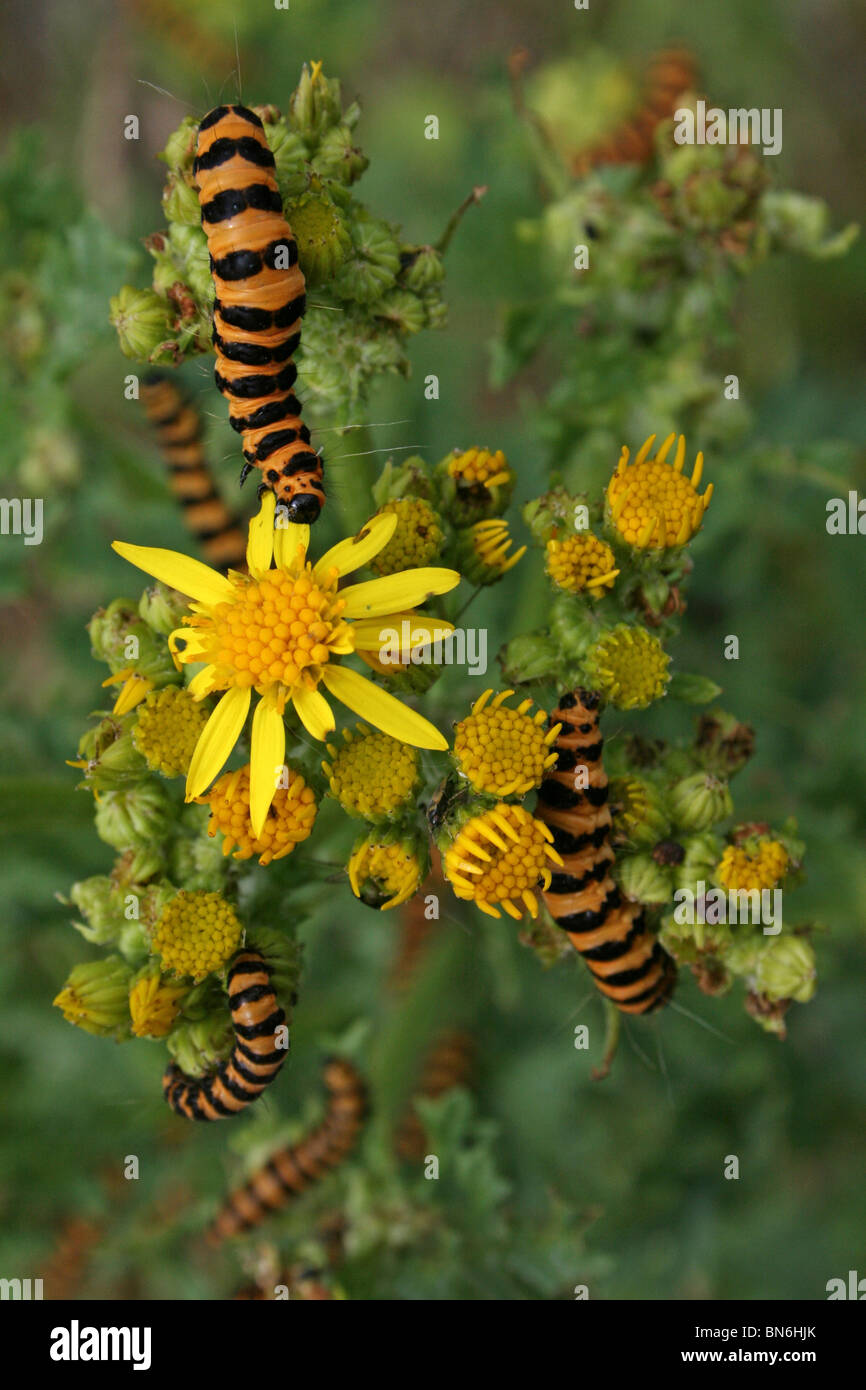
(260, 300)
(627, 962)
(178, 429)
(670, 74)
(448, 1064)
(254, 1061)
(291, 1170)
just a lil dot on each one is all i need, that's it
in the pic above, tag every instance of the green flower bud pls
(707, 203)
(639, 814)
(134, 816)
(187, 247)
(435, 310)
(134, 867)
(786, 969)
(422, 268)
(699, 801)
(549, 512)
(363, 281)
(410, 478)
(798, 223)
(112, 758)
(283, 958)
(162, 608)
(180, 202)
(404, 310)
(642, 880)
(142, 321)
(322, 236)
(338, 158)
(572, 628)
(179, 151)
(96, 997)
(200, 1046)
(531, 657)
(315, 105)
(208, 864)
(133, 941)
(99, 903)
(375, 242)
(701, 856)
(290, 157)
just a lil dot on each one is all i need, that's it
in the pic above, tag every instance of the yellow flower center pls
(277, 630)
(417, 539)
(501, 750)
(629, 667)
(289, 819)
(154, 1004)
(373, 775)
(167, 730)
(471, 467)
(761, 867)
(581, 561)
(197, 933)
(653, 504)
(501, 857)
(384, 874)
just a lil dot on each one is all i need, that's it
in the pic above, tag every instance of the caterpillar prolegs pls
(255, 1058)
(260, 300)
(626, 960)
(290, 1171)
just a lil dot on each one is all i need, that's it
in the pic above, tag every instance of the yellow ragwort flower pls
(479, 467)
(628, 667)
(501, 857)
(652, 504)
(417, 538)
(167, 728)
(501, 750)
(579, 562)
(133, 689)
(384, 873)
(762, 867)
(197, 933)
(489, 543)
(373, 775)
(282, 632)
(154, 1004)
(288, 821)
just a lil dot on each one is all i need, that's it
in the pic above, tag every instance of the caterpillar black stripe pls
(260, 300)
(626, 960)
(670, 74)
(291, 1170)
(178, 429)
(255, 1058)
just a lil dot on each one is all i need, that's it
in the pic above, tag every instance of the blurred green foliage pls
(554, 1179)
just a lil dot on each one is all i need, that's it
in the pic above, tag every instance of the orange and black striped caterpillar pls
(291, 1170)
(178, 429)
(254, 1060)
(670, 74)
(448, 1064)
(627, 962)
(260, 300)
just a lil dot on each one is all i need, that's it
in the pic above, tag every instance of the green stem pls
(611, 1041)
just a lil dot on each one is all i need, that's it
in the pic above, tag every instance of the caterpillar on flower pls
(627, 962)
(260, 300)
(255, 1058)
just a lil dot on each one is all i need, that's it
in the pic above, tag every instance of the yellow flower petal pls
(218, 738)
(260, 539)
(132, 693)
(355, 551)
(180, 572)
(267, 753)
(314, 712)
(396, 591)
(381, 709)
(287, 538)
(202, 682)
(368, 633)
